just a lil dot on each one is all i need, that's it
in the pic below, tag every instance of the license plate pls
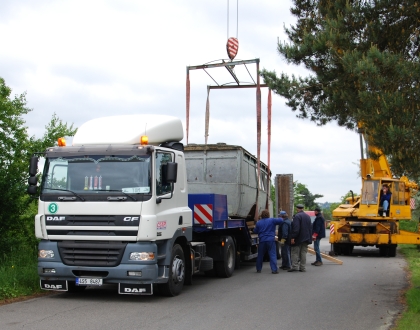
(88, 281)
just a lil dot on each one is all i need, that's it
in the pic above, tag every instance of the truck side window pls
(161, 159)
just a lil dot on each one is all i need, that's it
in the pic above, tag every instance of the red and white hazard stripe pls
(412, 203)
(331, 228)
(203, 214)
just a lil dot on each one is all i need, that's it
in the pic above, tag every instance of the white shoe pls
(384, 214)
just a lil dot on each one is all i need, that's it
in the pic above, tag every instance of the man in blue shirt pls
(284, 238)
(266, 230)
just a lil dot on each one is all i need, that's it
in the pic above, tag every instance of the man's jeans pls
(285, 256)
(317, 251)
(385, 205)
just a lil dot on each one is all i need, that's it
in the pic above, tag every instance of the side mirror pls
(170, 172)
(33, 166)
(32, 190)
(33, 180)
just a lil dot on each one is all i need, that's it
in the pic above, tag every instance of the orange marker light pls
(61, 142)
(144, 140)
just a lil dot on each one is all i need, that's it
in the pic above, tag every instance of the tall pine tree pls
(364, 62)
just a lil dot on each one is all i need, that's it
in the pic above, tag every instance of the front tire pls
(176, 273)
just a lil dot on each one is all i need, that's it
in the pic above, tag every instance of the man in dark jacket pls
(266, 230)
(318, 232)
(284, 237)
(301, 237)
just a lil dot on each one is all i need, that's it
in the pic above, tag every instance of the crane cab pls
(370, 201)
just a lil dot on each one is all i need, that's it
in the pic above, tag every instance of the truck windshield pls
(100, 174)
(370, 192)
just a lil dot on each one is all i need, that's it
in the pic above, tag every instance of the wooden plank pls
(326, 256)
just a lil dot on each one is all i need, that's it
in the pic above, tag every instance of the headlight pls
(45, 254)
(143, 256)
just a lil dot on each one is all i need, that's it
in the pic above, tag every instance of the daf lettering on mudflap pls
(144, 289)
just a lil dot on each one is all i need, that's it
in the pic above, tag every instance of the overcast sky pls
(86, 59)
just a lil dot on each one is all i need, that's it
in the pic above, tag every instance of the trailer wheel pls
(176, 273)
(225, 267)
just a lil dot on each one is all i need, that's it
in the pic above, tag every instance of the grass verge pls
(18, 273)
(410, 319)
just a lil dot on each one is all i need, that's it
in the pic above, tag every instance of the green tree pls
(16, 147)
(363, 59)
(303, 196)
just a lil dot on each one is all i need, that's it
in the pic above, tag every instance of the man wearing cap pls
(318, 232)
(266, 230)
(301, 237)
(284, 237)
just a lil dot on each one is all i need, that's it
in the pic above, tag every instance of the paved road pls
(363, 293)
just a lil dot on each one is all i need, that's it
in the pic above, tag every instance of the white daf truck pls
(114, 208)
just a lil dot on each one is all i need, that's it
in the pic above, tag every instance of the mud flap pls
(54, 285)
(141, 289)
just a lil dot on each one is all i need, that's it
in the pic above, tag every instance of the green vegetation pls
(411, 317)
(302, 195)
(18, 262)
(18, 272)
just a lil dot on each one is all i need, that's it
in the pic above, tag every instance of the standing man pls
(284, 236)
(301, 237)
(318, 232)
(266, 230)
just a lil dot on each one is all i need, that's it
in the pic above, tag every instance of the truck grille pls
(96, 254)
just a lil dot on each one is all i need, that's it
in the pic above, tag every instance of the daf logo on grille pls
(51, 218)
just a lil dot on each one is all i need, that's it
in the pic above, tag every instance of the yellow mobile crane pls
(363, 221)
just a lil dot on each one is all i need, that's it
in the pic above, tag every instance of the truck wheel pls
(347, 249)
(336, 249)
(225, 267)
(176, 273)
(392, 252)
(382, 251)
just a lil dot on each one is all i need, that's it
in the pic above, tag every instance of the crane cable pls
(237, 18)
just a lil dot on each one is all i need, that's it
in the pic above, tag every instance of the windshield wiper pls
(134, 199)
(68, 191)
